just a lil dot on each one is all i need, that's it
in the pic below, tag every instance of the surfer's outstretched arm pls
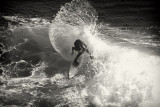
(89, 54)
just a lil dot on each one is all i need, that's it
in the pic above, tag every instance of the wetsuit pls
(81, 48)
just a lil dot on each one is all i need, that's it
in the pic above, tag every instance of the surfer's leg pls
(79, 54)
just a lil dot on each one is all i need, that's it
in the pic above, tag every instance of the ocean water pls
(36, 38)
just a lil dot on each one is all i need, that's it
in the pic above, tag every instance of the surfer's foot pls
(76, 63)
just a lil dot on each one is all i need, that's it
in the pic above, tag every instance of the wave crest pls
(71, 23)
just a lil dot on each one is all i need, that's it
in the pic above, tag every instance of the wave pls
(75, 20)
(120, 75)
(124, 75)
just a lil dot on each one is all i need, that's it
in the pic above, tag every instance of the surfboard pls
(74, 68)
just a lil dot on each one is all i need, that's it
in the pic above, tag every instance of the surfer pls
(81, 47)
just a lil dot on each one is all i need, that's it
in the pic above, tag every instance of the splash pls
(124, 75)
(72, 22)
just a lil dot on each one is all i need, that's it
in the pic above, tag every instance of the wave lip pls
(70, 24)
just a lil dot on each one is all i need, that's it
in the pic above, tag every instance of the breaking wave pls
(124, 75)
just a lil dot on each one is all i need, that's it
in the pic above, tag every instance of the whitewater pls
(124, 72)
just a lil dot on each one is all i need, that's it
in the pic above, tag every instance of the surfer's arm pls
(84, 45)
(73, 48)
(89, 54)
